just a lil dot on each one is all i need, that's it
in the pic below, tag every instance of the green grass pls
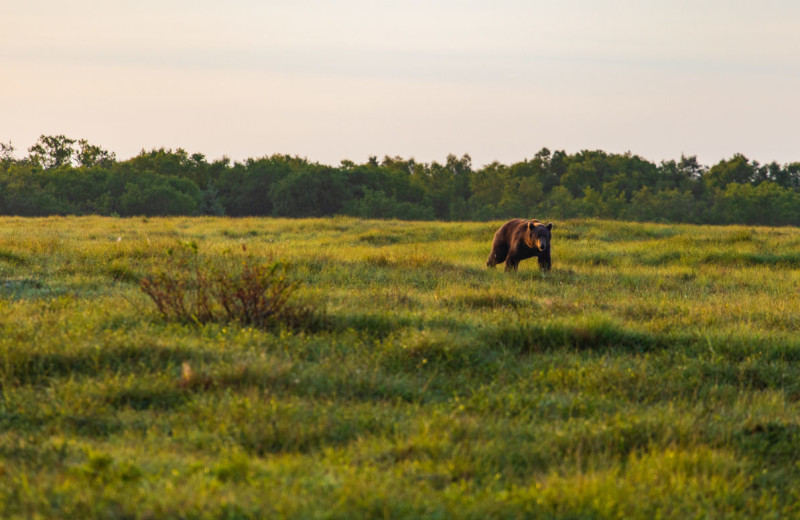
(654, 372)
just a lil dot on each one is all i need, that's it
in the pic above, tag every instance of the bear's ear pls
(530, 225)
(549, 226)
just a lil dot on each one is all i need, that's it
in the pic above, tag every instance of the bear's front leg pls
(512, 262)
(544, 261)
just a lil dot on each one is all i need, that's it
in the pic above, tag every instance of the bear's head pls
(537, 235)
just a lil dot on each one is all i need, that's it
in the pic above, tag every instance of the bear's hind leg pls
(497, 256)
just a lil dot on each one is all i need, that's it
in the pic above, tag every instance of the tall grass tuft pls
(193, 288)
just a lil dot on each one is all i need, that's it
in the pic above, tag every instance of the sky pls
(349, 79)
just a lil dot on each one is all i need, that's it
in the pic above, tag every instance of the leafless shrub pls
(192, 288)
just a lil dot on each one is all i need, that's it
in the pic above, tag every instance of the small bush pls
(191, 288)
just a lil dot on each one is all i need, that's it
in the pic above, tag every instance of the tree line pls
(63, 176)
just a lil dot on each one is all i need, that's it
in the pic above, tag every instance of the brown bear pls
(519, 239)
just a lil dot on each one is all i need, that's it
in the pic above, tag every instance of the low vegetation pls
(190, 287)
(652, 373)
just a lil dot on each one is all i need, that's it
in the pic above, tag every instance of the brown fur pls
(519, 239)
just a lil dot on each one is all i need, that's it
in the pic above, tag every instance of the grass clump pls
(193, 288)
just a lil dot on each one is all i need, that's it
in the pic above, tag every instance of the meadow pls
(653, 373)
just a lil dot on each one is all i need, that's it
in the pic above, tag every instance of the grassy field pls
(653, 373)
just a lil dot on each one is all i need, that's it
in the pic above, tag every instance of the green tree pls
(160, 195)
(376, 204)
(793, 172)
(52, 151)
(737, 169)
(311, 192)
(437, 182)
(91, 155)
(246, 188)
(592, 202)
(6, 153)
(661, 206)
(767, 204)
(487, 185)
(613, 201)
(561, 204)
(683, 175)
(521, 196)
(579, 176)
(542, 165)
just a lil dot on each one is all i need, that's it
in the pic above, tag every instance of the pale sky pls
(348, 79)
